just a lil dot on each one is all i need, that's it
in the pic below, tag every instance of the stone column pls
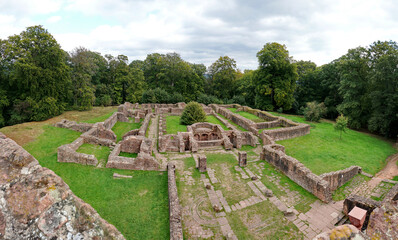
(202, 163)
(242, 159)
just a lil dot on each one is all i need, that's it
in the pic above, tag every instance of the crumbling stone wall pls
(80, 127)
(99, 135)
(143, 161)
(145, 124)
(116, 117)
(35, 203)
(175, 210)
(67, 153)
(287, 133)
(296, 171)
(358, 201)
(339, 178)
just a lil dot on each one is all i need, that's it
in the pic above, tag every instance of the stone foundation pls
(67, 153)
(339, 178)
(175, 210)
(80, 127)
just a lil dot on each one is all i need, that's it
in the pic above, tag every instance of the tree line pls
(39, 80)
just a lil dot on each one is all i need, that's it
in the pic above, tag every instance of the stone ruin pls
(242, 156)
(35, 203)
(101, 133)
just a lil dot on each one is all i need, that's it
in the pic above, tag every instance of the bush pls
(104, 100)
(314, 111)
(193, 113)
(209, 99)
(176, 98)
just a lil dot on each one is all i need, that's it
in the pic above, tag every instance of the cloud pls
(203, 30)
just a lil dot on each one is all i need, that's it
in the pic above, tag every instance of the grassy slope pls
(129, 204)
(122, 128)
(173, 124)
(100, 152)
(323, 151)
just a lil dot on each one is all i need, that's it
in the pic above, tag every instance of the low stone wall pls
(80, 127)
(211, 143)
(175, 210)
(67, 153)
(116, 117)
(143, 161)
(249, 138)
(296, 171)
(286, 133)
(339, 178)
(99, 135)
(392, 195)
(236, 118)
(169, 143)
(145, 124)
(263, 125)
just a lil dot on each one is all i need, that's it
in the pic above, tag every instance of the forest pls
(39, 80)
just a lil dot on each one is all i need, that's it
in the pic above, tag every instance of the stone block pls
(202, 163)
(242, 159)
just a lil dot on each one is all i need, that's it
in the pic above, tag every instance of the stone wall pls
(286, 133)
(145, 124)
(236, 118)
(296, 171)
(80, 127)
(35, 203)
(358, 201)
(100, 136)
(143, 161)
(116, 117)
(175, 210)
(339, 178)
(67, 153)
(169, 143)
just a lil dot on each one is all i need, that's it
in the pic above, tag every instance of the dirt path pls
(390, 170)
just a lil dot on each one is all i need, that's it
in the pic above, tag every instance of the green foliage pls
(208, 99)
(104, 100)
(341, 124)
(193, 113)
(223, 74)
(314, 111)
(275, 80)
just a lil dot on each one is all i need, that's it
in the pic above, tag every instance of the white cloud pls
(203, 30)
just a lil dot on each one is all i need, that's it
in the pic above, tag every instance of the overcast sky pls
(203, 30)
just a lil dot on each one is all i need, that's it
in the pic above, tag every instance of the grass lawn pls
(122, 128)
(236, 125)
(247, 115)
(173, 124)
(129, 204)
(100, 118)
(323, 151)
(129, 155)
(100, 152)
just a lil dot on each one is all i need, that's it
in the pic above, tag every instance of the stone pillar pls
(242, 159)
(137, 119)
(202, 162)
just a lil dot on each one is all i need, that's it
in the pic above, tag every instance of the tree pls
(37, 73)
(341, 124)
(276, 78)
(314, 111)
(223, 75)
(384, 88)
(354, 87)
(192, 113)
(245, 88)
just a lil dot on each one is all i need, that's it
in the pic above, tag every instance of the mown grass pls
(100, 152)
(100, 118)
(173, 124)
(129, 204)
(129, 155)
(323, 151)
(236, 125)
(121, 128)
(247, 115)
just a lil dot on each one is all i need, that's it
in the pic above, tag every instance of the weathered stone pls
(343, 232)
(116, 175)
(175, 211)
(383, 222)
(39, 205)
(254, 178)
(202, 163)
(242, 156)
(288, 212)
(208, 186)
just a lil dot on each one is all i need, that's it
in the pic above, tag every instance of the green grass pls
(100, 118)
(344, 191)
(273, 224)
(121, 128)
(214, 120)
(323, 151)
(236, 125)
(129, 155)
(395, 178)
(247, 115)
(129, 204)
(173, 125)
(261, 130)
(100, 152)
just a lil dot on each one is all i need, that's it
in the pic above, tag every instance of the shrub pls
(193, 113)
(208, 99)
(314, 111)
(104, 100)
(176, 98)
(341, 124)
